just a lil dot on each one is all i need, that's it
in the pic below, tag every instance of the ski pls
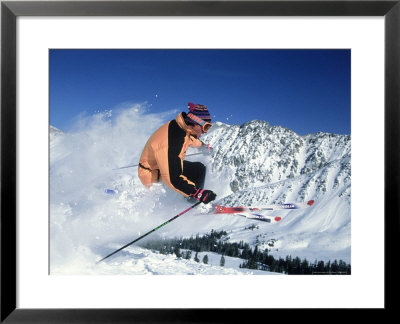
(250, 209)
(263, 218)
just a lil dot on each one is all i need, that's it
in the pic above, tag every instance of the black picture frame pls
(10, 10)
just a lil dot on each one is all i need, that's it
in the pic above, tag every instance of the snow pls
(138, 261)
(86, 223)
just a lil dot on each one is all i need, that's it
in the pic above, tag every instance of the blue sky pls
(306, 91)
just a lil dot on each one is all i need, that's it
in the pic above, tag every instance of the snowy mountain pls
(256, 154)
(55, 131)
(252, 164)
(266, 164)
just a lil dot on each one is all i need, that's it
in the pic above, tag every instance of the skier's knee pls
(201, 169)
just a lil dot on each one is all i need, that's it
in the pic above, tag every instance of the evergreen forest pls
(253, 258)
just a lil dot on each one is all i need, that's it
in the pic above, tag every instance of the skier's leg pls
(147, 176)
(195, 172)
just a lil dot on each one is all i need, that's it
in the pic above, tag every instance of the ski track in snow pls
(86, 223)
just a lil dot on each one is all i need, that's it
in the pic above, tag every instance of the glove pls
(205, 196)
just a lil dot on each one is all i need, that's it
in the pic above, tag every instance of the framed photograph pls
(338, 63)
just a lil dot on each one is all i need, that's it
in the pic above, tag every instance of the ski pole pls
(153, 230)
(135, 165)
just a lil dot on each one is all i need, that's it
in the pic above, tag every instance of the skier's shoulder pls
(175, 131)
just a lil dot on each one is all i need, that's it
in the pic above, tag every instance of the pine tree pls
(305, 268)
(321, 266)
(328, 267)
(335, 266)
(177, 250)
(222, 261)
(196, 257)
(205, 259)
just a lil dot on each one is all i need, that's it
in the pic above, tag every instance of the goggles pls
(205, 126)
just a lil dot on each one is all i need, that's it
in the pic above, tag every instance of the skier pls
(164, 153)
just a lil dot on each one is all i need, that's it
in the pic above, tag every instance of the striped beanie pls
(197, 111)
